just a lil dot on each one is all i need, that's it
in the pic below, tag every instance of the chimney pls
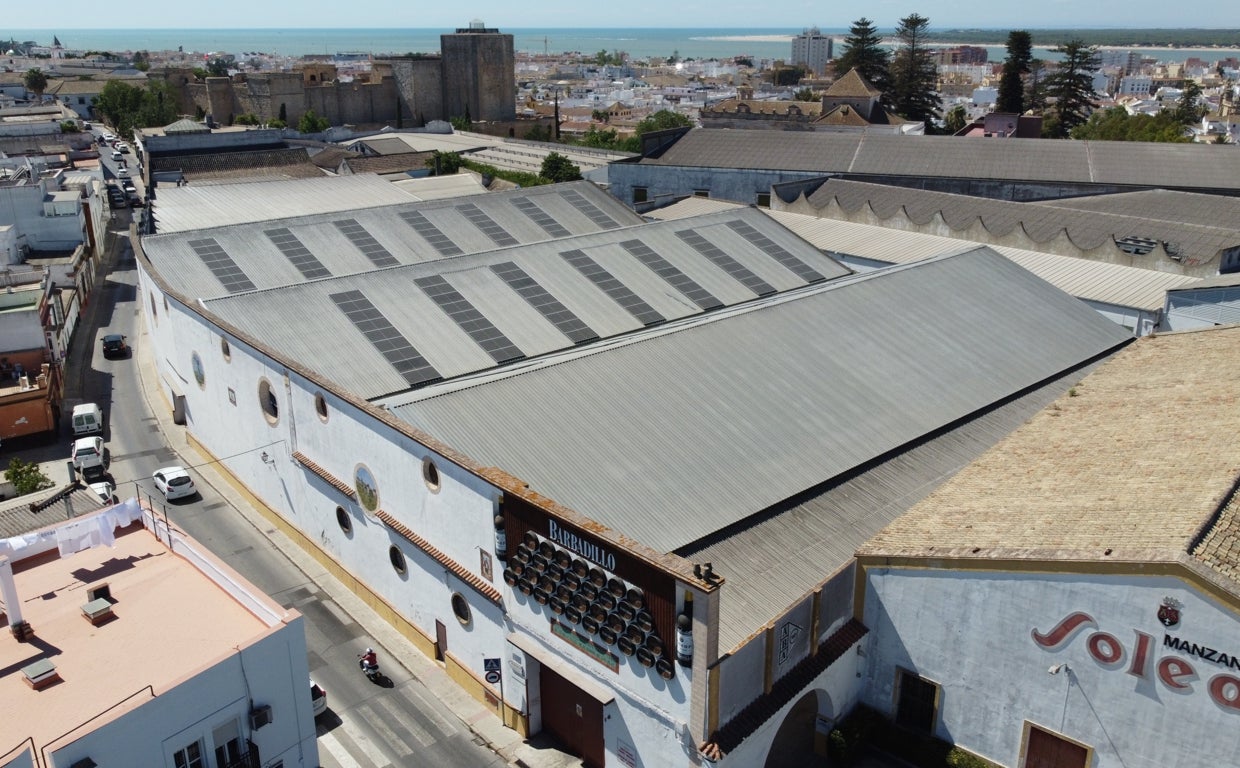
(12, 603)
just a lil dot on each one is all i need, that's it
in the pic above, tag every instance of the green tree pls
(604, 139)
(1116, 124)
(312, 123)
(277, 123)
(1190, 109)
(70, 126)
(864, 52)
(460, 122)
(217, 67)
(444, 163)
(1035, 86)
(805, 94)
(557, 168)
(914, 76)
(1071, 87)
(788, 74)
(35, 81)
(26, 477)
(955, 119)
(1015, 67)
(538, 133)
(126, 107)
(662, 121)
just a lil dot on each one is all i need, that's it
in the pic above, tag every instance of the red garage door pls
(573, 717)
(1046, 750)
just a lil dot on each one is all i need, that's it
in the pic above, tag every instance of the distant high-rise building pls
(812, 49)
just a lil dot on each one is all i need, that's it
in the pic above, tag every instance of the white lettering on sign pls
(587, 549)
(1175, 673)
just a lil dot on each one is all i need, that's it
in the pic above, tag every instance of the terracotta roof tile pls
(461, 572)
(852, 86)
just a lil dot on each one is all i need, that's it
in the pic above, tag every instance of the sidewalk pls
(479, 718)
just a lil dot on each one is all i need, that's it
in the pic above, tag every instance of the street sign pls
(491, 665)
(492, 677)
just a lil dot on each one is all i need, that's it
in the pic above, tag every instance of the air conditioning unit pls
(260, 716)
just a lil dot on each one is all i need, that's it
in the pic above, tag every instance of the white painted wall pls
(272, 671)
(972, 634)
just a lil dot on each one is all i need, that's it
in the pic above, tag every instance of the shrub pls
(958, 758)
(26, 477)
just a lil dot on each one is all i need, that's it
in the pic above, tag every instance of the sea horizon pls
(639, 42)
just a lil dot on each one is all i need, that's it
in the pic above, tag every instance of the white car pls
(318, 699)
(105, 491)
(88, 457)
(122, 172)
(174, 482)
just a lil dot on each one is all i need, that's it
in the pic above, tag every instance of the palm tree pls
(35, 82)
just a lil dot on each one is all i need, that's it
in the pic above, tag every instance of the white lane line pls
(332, 745)
(363, 742)
(447, 726)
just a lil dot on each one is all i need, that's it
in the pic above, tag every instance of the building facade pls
(813, 50)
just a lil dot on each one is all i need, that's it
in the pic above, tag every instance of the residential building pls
(172, 660)
(813, 50)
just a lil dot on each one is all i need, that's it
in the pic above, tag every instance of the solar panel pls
(394, 347)
(485, 223)
(221, 265)
(366, 243)
(726, 262)
(438, 240)
(666, 270)
(777, 252)
(307, 264)
(467, 316)
(547, 305)
(591, 210)
(540, 217)
(618, 291)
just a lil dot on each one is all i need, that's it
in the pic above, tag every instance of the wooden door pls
(573, 718)
(441, 640)
(1046, 750)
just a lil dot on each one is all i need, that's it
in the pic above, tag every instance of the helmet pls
(370, 650)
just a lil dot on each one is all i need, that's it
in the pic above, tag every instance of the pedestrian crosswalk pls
(395, 727)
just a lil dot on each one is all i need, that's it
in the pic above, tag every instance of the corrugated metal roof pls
(779, 559)
(193, 207)
(1102, 162)
(1086, 279)
(690, 206)
(1159, 205)
(267, 267)
(682, 431)
(444, 344)
(1193, 244)
(441, 187)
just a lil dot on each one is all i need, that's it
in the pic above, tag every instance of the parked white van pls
(87, 419)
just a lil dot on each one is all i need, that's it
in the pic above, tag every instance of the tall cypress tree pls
(1015, 67)
(1071, 86)
(865, 53)
(914, 76)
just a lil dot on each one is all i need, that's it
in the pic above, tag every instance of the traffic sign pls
(491, 665)
(492, 677)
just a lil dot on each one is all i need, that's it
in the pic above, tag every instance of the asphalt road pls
(396, 723)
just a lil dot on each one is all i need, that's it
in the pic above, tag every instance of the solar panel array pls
(725, 262)
(394, 347)
(307, 263)
(438, 240)
(668, 271)
(618, 291)
(357, 234)
(467, 316)
(489, 227)
(221, 265)
(777, 252)
(547, 305)
(540, 217)
(591, 210)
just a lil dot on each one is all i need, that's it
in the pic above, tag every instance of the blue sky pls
(505, 14)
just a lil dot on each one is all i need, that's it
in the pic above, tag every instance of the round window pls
(397, 557)
(430, 474)
(200, 375)
(225, 350)
(268, 402)
(366, 487)
(460, 607)
(320, 406)
(343, 520)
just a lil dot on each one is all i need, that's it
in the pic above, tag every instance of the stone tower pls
(479, 74)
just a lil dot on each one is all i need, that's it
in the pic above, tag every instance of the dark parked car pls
(114, 346)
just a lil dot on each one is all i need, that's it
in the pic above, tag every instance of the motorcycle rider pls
(370, 661)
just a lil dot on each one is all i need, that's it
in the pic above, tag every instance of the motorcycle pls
(368, 662)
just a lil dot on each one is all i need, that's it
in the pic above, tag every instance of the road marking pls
(386, 715)
(337, 750)
(363, 742)
(429, 709)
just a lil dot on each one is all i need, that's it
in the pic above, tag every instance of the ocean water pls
(640, 42)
